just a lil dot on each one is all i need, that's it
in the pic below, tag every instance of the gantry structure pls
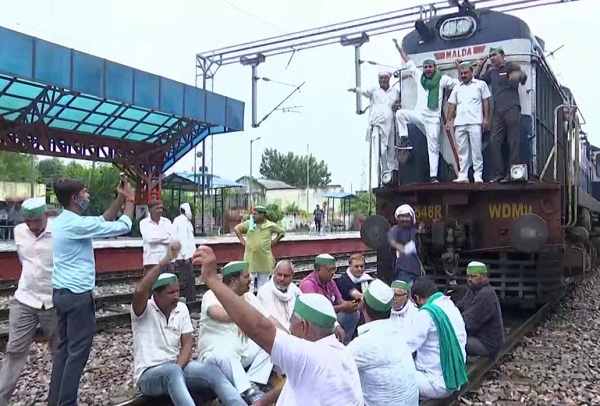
(354, 33)
(60, 102)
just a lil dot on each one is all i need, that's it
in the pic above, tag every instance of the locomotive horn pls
(373, 232)
(529, 233)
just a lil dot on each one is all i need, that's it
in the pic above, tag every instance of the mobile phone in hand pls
(123, 179)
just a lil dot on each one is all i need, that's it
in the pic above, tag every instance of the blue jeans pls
(349, 322)
(76, 313)
(169, 378)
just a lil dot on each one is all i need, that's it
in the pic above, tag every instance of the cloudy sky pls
(164, 37)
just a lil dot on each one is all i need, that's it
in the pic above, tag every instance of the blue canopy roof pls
(339, 195)
(73, 91)
(185, 181)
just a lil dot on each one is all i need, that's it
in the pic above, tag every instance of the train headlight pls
(387, 177)
(518, 173)
(458, 27)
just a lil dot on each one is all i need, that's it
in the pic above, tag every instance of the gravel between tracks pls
(558, 363)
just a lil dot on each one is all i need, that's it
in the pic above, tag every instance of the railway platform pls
(125, 254)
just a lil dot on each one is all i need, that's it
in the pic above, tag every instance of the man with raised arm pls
(320, 371)
(504, 78)
(32, 303)
(163, 340)
(426, 115)
(381, 131)
(74, 278)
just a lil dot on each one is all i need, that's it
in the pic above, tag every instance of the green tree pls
(291, 169)
(49, 170)
(15, 167)
(361, 203)
(292, 209)
(274, 213)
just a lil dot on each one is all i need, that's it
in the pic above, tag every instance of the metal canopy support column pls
(254, 62)
(356, 43)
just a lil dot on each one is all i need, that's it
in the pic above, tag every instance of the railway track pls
(123, 318)
(8, 288)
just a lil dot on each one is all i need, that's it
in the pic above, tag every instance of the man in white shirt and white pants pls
(32, 303)
(469, 113)
(431, 84)
(157, 233)
(184, 231)
(381, 131)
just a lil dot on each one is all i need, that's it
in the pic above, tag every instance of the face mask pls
(82, 204)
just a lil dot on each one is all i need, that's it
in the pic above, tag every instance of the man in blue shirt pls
(74, 278)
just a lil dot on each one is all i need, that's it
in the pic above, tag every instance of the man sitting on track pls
(439, 339)
(279, 294)
(321, 281)
(482, 314)
(385, 364)
(404, 311)
(162, 342)
(222, 343)
(32, 303)
(319, 370)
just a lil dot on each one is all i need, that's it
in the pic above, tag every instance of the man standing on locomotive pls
(482, 314)
(506, 115)
(381, 130)
(427, 112)
(466, 115)
(401, 237)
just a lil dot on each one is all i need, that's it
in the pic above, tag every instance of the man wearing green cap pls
(32, 302)
(223, 344)
(319, 370)
(381, 353)
(258, 245)
(321, 281)
(481, 311)
(426, 115)
(468, 116)
(162, 342)
(439, 339)
(504, 78)
(404, 311)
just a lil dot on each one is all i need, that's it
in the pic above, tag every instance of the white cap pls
(384, 72)
(405, 209)
(379, 296)
(315, 308)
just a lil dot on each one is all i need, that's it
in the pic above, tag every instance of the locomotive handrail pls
(553, 153)
(576, 174)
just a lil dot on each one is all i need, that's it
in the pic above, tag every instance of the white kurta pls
(426, 119)
(424, 340)
(320, 373)
(385, 365)
(468, 99)
(381, 129)
(156, 238)
(184, 232)
(36, 257)
(224, 345)
(279, 304)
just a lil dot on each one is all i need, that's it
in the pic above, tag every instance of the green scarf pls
(453, 363)
(433, 86)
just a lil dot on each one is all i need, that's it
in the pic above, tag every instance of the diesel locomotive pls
(536, 233)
